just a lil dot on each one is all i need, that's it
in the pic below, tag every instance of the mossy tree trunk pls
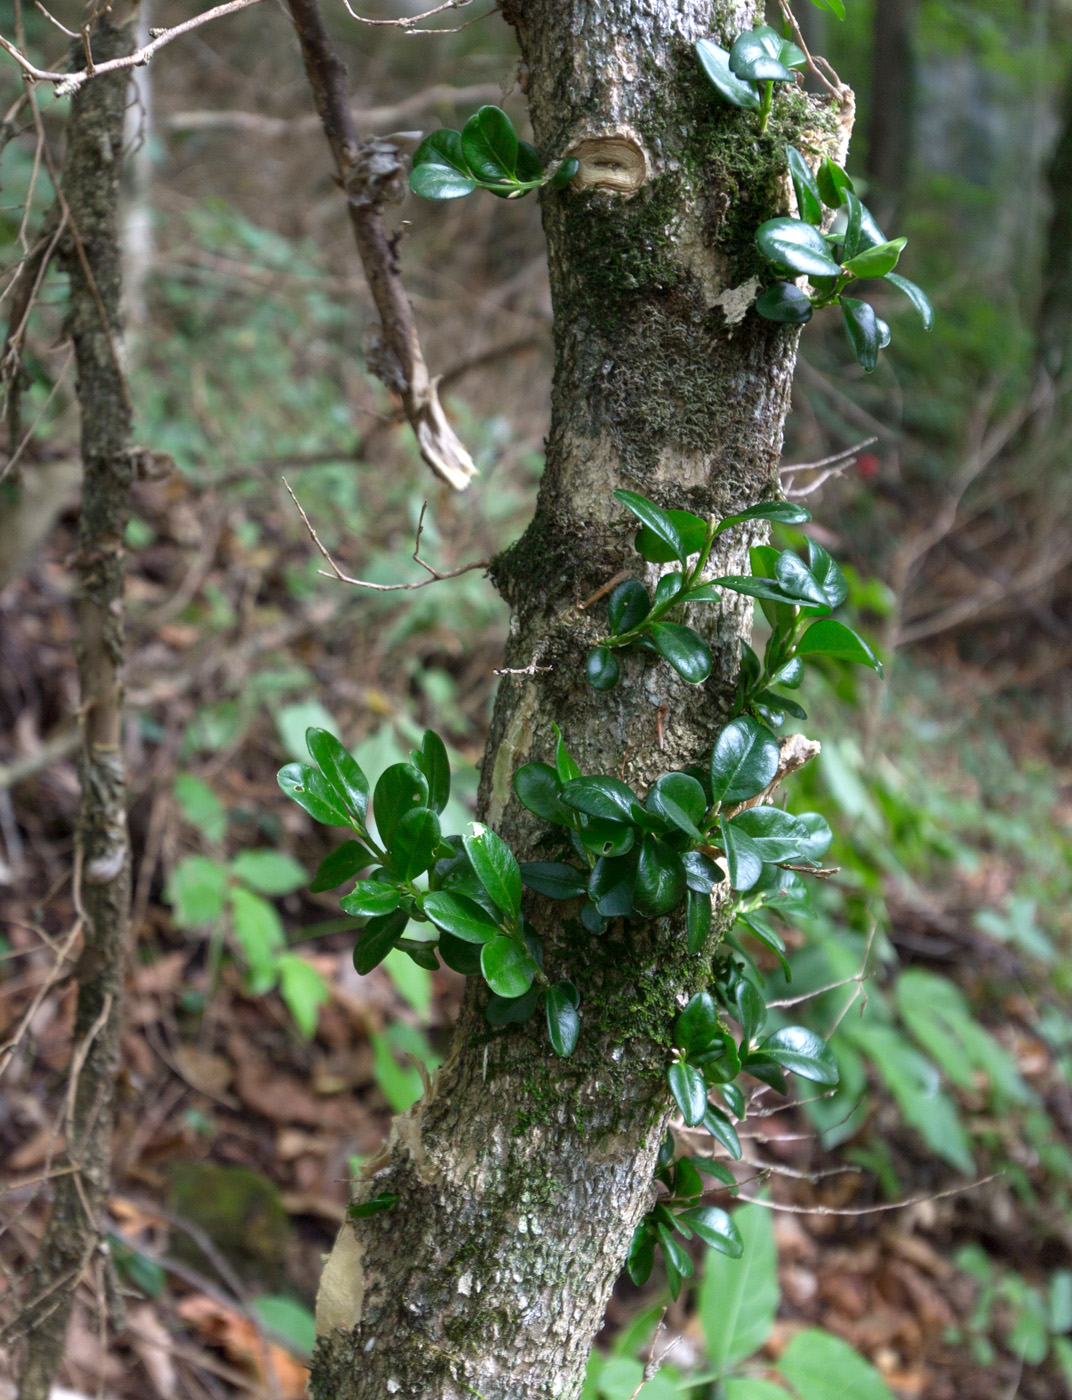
(520, 1177)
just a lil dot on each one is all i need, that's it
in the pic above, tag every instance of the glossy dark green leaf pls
(489, 145)
(715, 1228)
(762, 55)
(780, 512)
(792, 672)
(660, 879)
(685, 650)
(800, 1050)
(538, 787)
(829, 578)
(762, 1067)
(780, 704)
(417, 837)
(602, 796)
(308, 787)
(819, 835)
(701, 872)
(916, 295)
(686, 1183)
(715, 62)
(371, 897)
(593, 920)
(797, 581)
(340, 769)
(377, 939)
(668, 588)
(743, 860)
(398, 790)
(861, 326)
(530, 167)
(744, 761)
(750, 1008)
(565, 173)
(734, 1096)
(680, 799)
(511, 1011)
(601, 669)
(565, 766)
(553, 879)
(878, 261)
(340, 865)
(775, 834)
(797, 246)
(691, 528)
(641, 1257)
(439, 167)
(563, 1019)
(508, 967)
(676, 1261)
(696, 1026)
(717, 1170)
(459, 955)
(833, 183)
(434, 764)
(628, 606)
(768, 936)
(496, 868)
(754, 587)
(461, 916)
(610, 886)
(658, 521)
(723, 1131)
(421, 952)
(828, 637)
(605, 838)
(785, 302)
(809, 201)
(689, 1091)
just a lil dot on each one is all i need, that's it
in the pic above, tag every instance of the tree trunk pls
(102, 873)
(520, 1177)
(1054, 330)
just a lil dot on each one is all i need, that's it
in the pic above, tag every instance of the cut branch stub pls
(614, 161)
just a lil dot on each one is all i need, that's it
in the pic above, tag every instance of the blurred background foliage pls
(255, 1046)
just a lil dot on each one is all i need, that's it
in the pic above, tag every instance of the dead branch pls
(371, 175)
(412, 20)
(923, 1199)
(436, 576)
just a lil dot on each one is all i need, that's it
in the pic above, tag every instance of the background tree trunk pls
(520, 1176)
(889, 130)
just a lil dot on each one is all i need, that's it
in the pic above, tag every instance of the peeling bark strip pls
(520, 1177)
(372, 175)
(91, 255)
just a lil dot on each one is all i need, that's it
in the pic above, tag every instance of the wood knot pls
(614, 161)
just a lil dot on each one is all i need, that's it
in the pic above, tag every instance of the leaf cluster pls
(486, 154)
(745, 75)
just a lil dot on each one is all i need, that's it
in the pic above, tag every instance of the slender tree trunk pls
(1054, 332)
(520, 1176)
(889, 129)
(102, 874)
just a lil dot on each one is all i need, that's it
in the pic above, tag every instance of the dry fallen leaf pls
(242, 1341)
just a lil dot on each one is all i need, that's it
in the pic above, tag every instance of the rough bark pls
(521, 1177)
(102, 875)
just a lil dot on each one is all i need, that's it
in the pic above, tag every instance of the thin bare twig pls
(530, 670)
(602, 591)
(792, 467)
(436, 575)
(818, 66)
(919, 1200)
(411, 21)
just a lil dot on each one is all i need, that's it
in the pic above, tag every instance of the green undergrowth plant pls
(1032, 1321)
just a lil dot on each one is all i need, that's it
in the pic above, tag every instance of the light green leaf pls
(201, 807)
(303, 990)
(738, 1298)
(820, 1366)
(508, 967)
(269, 872)
(196, 890)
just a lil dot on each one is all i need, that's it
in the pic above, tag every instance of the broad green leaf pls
(308, 787)
(715, 1228)
(685, 650)
(290, 1321)
(303, 990)
(830, 579)
(508, 968)
(877, 261)
(462, 917)
(197, 891)
(602, 796)
(416, 839)
(201, 807)
(738, 1298)
(715, 62)
(809, 201)
(744, 761)
(696, 1026)
(496, 868)
(660, 879)
(722, 1130)
(489, 145)
(775, 834)
(734, 1096)
(697, 920)
(259, 930)
(762, 55)
(861, 325)
(377, 939)
(459, 955)
(604, 838)
(369, 898)
(563, 1020)
(269, 872)
(398, 790)
(701, 872)
(828, 637)
(434, 764)
(820, 1366)
(743, 860)
(340, 769)
(503, 1011)
(601, 669)
(796, 578)
(796, 246)
(916, 295)
(786, 302)
(800, 1050)
(401, 1085)
(439, 167)
(680, 799)
(538, 788)
(689, 1090)
(628, 606)
(340, 865)
(833, 183)
(691, 528)
(657, 520)
(611, 883)
(554, 879)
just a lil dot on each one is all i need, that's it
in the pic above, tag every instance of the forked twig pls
(437, 575)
